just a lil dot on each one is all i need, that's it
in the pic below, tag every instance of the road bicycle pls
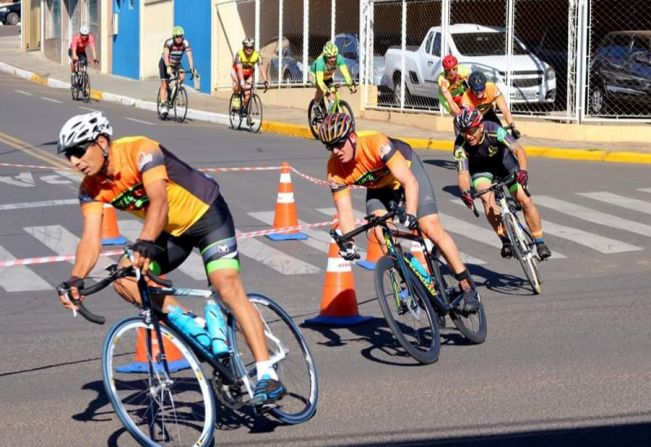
(519, 235)
(161, 400)
(316, 115)
(80, 82)
(177, 99)
(414, 302)
(251, 113)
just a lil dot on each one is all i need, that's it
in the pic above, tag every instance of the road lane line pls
(23, 92)
(17, 206)
(621, 201)
(35, 152)
(88, 109)
(585, 213)
(51, 100)
(645, 189)
(20, 278)
(139, 121)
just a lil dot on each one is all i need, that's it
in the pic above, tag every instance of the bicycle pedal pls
(264, 409)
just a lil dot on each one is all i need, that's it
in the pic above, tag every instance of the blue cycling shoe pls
(267, 391)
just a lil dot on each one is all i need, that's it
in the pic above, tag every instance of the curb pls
(301, 131)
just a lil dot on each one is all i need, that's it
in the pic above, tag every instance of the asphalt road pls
(568, 367)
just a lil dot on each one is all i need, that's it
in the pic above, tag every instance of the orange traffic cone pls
(373, 252)
(110, 232)
(338, 300)
(286, 214)
(175, 360)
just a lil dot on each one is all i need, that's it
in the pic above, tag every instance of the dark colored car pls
(620, 74)
(292, 61)
(10, 13)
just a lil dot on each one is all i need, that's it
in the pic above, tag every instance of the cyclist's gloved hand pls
(70, 283)
(348, 251)
(515, 132)
(146, 249)
(353, 88)
(74, 282)
(466, 196)
(195, 73)
(169, 70)
(409, 221)
(522, 177)
(266, 85)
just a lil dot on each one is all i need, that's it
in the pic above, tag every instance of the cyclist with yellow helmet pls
(244, 64)
(170, 62)
(322, 71)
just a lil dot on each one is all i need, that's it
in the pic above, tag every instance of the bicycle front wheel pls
(314, 120)
(523, 248)
(344, 107)
(181, 104)
(254, 113)
(291, 359)
(86, 87)
(410, 317)
(157, 410)
(74, 90)
(234, 113)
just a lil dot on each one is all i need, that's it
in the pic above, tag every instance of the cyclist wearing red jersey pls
(452, 84)
(391, 171)
(170, 63)
(182, 209)
(244, 64)
(77, 49)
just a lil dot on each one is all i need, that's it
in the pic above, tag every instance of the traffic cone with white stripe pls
(286, 214)
(338, 300)
(373, 252)
(140, 364)
(110, 232)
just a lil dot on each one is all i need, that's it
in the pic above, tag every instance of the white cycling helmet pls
(83, 30)
(82, 129)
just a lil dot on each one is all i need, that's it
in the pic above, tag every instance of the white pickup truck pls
(481, 48)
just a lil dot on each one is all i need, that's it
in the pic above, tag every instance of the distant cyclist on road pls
(391, 171)
(322, 72)
(243, 69)
(484, 151)
(182, 209)
(483, 95)
(170, 63)
(452, 84)
(77, 51)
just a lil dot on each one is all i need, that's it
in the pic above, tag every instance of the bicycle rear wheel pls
(523, 248)
(254, 113)
(474, 327)
(235, 114)
(292, 359)
(181, 104)
(313, 120)
(411, 318)
(156, 410)
(344, 107)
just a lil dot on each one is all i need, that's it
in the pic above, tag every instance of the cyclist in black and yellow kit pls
(182, 209)
(243, 68)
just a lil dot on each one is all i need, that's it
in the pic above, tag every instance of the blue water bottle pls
(216, 324)
(189, 325)
(413, 261)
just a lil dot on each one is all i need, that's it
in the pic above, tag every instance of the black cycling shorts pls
(83, 59)
(162, 69)
(213, 234)
(378, 199)
(494, 167)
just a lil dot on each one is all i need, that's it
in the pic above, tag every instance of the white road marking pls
(51, 100)
(88, 109)
(319, 240)
(140, 121)
(621, 201)
(23, 92)
(584, 213)
(17, 206)
(20, 278)
(644, 189)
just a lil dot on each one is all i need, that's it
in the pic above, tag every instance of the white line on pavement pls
(23, 92)
(17, 206)
(645, 189)
(88, 109)
(19, 278)
(617, 200)
(140, 121)
(319, 240)
(51, 100)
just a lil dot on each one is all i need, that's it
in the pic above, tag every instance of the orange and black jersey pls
(136, 161)
(375, 153)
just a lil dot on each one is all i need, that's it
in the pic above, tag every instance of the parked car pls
(348, 45)
(620, 74)
(10, 13)
(552, 48)
(480, 47)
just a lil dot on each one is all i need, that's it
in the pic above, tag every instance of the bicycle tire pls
(314, 121)
(523, 252)
(73, 87)
(86, 87)
(137, 395)
(423, 344)
(344, 107)
(180, 102)
(161, 115)
(235, 116)
(474, 327)
(254, 113)
(296, 369)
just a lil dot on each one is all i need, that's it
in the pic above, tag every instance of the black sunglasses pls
(332, 147)
(77, 151)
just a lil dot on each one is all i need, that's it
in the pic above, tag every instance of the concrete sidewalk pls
(282, 120)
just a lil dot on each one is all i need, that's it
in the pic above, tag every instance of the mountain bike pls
(519, 235)
(414, 302)
(251, 114)
(162, 400)
(80, 83)
(177, 99)
(316, 115)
